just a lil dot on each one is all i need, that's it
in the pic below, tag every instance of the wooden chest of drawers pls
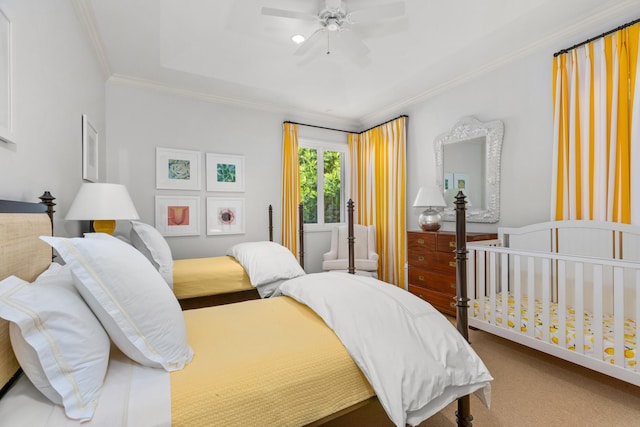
(432, 266)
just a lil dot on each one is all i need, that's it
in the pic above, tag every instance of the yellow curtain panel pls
(597, 130)
(290, 187)
(378, 190)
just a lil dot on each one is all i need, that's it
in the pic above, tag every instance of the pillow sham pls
(266, 262)
(129, 297)
(153, 245)
(60, 345)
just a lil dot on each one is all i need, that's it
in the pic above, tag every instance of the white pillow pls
(59, 343)
(266, 262)
(140, 313)
(154, 246)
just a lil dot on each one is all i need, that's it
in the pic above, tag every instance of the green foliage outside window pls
(332, 176)
(332, 171)
(308, 159)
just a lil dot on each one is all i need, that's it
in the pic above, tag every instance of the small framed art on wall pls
(178, 215)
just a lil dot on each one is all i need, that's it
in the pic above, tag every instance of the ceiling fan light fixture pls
(298, 38)
(333, 24)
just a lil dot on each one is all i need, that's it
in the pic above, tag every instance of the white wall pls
(56, 79)
(519, 94)
(139, 120)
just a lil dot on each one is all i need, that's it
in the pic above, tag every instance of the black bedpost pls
(301, 233)
(270, 223)
(47, 199)
(351, 239)
(463, 414)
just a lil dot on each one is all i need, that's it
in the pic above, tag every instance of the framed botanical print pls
(225, 172)
(178, 215)
(225, 216)
(177, 169)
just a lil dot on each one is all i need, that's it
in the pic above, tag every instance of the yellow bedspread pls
(270, 362)
(198, 277)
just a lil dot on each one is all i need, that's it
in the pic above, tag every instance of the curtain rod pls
(345, 131)
(621, 27)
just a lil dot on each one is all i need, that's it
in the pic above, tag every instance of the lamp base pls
(429, 220)
(104, 226)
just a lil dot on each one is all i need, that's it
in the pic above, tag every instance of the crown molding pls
(87, 19)
(124, 80)
(621, 10)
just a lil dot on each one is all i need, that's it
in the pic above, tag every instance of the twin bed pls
(331, 344)
(204, 282)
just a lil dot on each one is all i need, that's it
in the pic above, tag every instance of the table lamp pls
(430, 198)
(103, 204)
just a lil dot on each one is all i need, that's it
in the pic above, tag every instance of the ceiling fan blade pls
(353, 43)
(385, 11)
(333, 4)
(308, 44)
(293, 14)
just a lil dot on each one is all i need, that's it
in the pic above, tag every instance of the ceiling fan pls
(337, 19)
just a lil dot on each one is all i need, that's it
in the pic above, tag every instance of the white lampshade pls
(102, 202)
(429, 197)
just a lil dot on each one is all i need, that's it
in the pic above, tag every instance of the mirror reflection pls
(468, 160)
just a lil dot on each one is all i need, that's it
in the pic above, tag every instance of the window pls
(322, 181)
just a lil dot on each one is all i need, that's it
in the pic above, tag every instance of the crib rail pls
(583, 309)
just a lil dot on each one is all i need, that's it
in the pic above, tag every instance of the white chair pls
(365, 255)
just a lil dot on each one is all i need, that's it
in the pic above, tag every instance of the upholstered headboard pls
(24, 255)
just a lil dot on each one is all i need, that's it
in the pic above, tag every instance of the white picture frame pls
(90, 151)
(6, 80)
(225, 172)
(225, 215)
(178, 215)
(177, 169)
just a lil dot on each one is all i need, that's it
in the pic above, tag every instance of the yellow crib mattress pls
(270, 362)
(589, 338)
(197, 277)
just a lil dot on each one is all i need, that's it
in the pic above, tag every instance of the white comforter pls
(413, 357)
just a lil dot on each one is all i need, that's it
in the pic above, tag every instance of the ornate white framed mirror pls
(468, 160)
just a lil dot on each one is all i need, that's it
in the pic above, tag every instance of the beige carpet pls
(531, 388)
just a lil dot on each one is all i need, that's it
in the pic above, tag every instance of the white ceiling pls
(227, 51)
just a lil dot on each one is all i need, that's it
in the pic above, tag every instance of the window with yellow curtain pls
(597, 130)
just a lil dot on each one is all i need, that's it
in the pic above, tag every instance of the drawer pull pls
(421, 241)
(452, 244)
(421, 297)
(421, 278)
(420, 258)
(452, 263)
(452, 285)
(452, 304)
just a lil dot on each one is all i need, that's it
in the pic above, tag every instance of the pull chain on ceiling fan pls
(336, 19)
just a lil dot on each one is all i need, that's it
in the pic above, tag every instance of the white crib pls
(573, 291)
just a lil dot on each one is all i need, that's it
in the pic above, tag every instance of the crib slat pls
(562, 305)
(492, 288)
(579, 306)
(596, 323)
(531, 313)
(618, 315)
(546, 297)
(504, 288)
(517, 294)
(637, 319)
(482, 286)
